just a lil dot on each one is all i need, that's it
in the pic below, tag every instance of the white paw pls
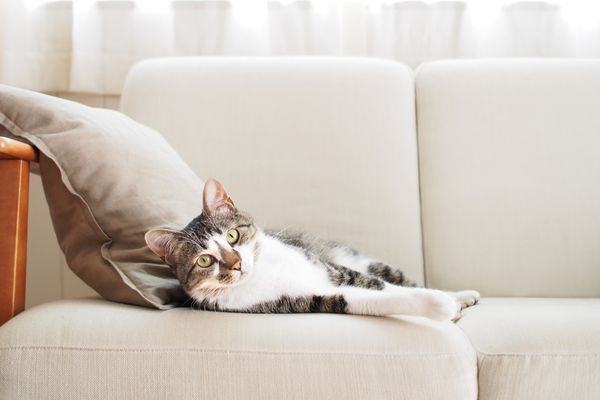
(466, 298)
(439, 306)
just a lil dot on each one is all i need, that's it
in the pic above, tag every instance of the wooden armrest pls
(14, 202)
(11, 149)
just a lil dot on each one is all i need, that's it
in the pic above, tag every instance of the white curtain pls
(88, 45)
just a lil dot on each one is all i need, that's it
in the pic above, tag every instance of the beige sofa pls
(468, 174)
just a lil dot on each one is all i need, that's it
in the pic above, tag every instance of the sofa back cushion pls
(510, 175)
(321, 144)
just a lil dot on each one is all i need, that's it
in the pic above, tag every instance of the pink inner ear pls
(216, 198)
(157, 240)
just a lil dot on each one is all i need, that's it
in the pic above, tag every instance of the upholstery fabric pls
(510, 165)
(107, 181)
(327, 145)
(98, 349)
(530, 349)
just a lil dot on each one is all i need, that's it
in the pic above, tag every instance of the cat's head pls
(215, 250)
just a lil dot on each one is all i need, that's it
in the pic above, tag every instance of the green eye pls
(232, 236)
(205, 261)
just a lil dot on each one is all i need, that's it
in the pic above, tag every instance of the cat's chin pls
(242, 277)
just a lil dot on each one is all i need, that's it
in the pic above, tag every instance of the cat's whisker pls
(282, 231)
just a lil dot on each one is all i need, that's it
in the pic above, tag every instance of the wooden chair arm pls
(11, 149)
(15, 157)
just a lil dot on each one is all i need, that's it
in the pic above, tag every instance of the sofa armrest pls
(14, 200)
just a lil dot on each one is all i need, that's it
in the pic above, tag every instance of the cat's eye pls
(232, 236)
(205, 261)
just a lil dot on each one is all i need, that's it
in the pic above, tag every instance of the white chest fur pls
(279, 270)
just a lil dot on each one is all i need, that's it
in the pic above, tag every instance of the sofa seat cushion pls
(91, 348)
(531, 348)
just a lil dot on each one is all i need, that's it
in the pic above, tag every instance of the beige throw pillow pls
(107, 181)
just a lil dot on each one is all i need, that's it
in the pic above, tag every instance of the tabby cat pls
(226, 263)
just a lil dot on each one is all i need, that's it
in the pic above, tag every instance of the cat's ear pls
(158, 240)
(215, 198)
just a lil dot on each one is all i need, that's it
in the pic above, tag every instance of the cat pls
(226, 263)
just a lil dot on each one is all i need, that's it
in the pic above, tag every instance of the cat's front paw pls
(466, 298)
(439, 306)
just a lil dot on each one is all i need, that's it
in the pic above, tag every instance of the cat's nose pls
(237, 266)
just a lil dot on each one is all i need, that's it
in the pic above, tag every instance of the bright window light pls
(250, 13)
(584, 14)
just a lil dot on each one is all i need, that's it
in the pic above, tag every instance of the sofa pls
(472, 174)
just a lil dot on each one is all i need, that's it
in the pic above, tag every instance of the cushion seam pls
(515, 355)
(256, 352)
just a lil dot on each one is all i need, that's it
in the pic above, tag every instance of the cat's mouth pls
(241, 274)
(234, 278)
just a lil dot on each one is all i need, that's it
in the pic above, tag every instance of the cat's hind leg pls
(369, 266)
(389, 274)
(341, 275)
